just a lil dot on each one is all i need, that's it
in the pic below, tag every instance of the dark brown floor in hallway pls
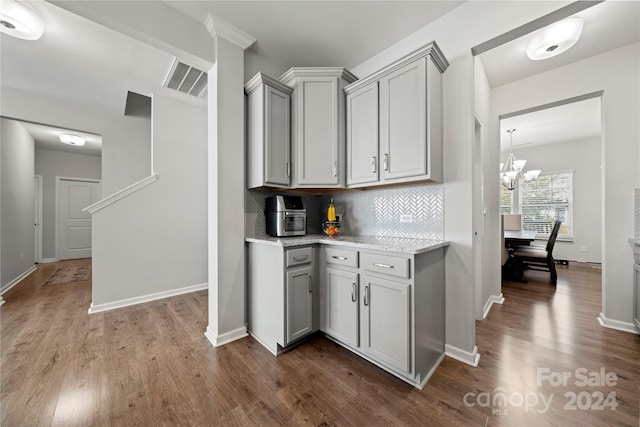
(150, 364)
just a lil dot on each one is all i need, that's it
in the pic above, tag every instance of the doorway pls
(73, 224)
(37, 218)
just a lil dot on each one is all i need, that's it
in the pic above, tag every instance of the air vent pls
(186, 79)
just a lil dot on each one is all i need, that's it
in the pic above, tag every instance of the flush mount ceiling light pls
(511, 173)
(70, 139)
(555, 39)
(19, 20)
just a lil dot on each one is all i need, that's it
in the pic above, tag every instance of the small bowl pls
(331, 228)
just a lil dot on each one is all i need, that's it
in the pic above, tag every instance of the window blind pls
(546, 200)
(505, 200)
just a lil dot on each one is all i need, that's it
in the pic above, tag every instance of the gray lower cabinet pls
(341, 313)
(280, 294)
(386, 307)
(299, 294)
(385, 321)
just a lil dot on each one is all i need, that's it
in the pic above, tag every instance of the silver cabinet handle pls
(374, 164)
(385, 162)
(288, 170)
(338, 257)
(300, 257)
(335, 168)
(365, 295)
(353, 292)
(383, 265)
(310, 287)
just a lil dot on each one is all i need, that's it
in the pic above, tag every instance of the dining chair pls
(538, 257)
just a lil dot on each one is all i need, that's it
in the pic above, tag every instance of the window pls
(544, 201)
(505, 200)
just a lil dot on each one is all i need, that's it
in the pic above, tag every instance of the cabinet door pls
(403, 122)
(316, 135)
(299, 303)
(341, 306)
(277, 134)
(362, 135)
(385, 322)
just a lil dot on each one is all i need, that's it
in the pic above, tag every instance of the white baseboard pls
(493, 299)
(1, 300)
(17, 280)
(264, 344)
(145, 298)
(463, 356)
(48, 260)
(431, 371)
(227, 337)
(617, 325)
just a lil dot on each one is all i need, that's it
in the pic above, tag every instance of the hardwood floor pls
(150, 364)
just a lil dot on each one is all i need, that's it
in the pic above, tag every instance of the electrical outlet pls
(339, 217)
(583, 248)
(406, 218)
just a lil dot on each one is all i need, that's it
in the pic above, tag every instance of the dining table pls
(519, 237)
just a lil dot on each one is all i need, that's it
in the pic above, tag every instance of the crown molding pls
(294, 72)
(219, 27)
(432, 50)
(261, 79)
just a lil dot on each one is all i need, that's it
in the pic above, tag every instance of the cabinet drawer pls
(344, 257)
(299, 256)
(386, 264)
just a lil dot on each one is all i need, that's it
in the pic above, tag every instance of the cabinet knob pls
(385, 162)
(374, 164)
(365, 295)
(335, 169)
(353, 292)
(310, 287)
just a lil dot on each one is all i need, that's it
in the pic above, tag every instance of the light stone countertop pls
(391, 244)
(634, 241)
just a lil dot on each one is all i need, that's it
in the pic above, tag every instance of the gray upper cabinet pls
(318, 126)
(268, 132)
(403, 142)
(362, 135)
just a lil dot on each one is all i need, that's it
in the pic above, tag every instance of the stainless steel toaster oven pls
(285, 216)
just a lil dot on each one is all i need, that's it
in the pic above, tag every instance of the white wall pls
(52, 163)
(155, 240)
(126, 141)
(489, 289)
(17, 204)
(459, 105)
(616, 72)
(583, 157)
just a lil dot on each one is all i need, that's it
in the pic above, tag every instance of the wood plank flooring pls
(150, 364)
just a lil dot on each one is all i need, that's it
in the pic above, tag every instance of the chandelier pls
(511, 174)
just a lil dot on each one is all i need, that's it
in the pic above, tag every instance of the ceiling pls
(321, 33)
(48, 137)
(607, 26)
(577, 121)
(78, 59)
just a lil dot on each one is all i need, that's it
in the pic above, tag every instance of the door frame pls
(38, 181)
(59, 179)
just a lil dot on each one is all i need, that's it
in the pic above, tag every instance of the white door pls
(74, 225)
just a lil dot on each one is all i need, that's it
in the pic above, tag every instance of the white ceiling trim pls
(219, 27)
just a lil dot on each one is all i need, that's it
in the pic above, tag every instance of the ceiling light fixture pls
(19, 20)
(70, 139)
(555, 39)
(511, 174)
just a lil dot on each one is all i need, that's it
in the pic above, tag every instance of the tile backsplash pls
(375, 212)
(378, 212)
